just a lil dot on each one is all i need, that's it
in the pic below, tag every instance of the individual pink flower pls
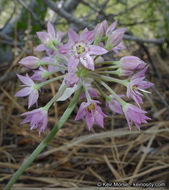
(135, 115)
(30, 62)
(92, 112)
(114, 105)
(137, 84)
(78, 49)
(39, 74)
(28, 90)
(114, 36)
(71, 79)
(130, 64)
(38, 118)
(48, 38)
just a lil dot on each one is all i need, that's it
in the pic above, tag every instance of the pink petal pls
(33, 97)
(40, 47)
(72, 64)
(87, 36)
(83, 35)
(89, 120)
(59, 36)
(43, 36)
(25, 79)
(87, 61)
(96, 50)
(26, 120)
(73, 36)
(99, 119)
(111, 27)
(81, 111)
(23, 92)
(51, 30)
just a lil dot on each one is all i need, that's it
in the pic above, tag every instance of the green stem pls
(107, 62)
(86, 92)
(100, 91)
(111, 79)
(109, 72)
(57, 95)
(47, 74)
(49, 81)
(53, 64)
(110, 67)
(121, 101)
(44, 143)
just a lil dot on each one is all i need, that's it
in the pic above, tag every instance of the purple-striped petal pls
(72, 64)
(43, 36)
(73, 36)
(23, 92)
(96, 50)
(89, 120)
(51, 30)
(25, 79)
(33, 97)
(87, 61)
(40, 47)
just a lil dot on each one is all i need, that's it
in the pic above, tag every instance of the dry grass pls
(79, 158)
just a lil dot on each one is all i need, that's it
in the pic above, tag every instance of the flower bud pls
(30, 62)
(130, 64)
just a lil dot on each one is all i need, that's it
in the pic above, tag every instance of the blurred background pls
(76, 157)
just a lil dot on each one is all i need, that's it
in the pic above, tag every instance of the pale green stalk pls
(47, 74)
(101, 92)
(121, 101)
(44, 143)
(57, 95)
(109, 72)
(109, 67)
(48, 81)
(86, 92)
(111, 79)
(107, 62)
(53, 64)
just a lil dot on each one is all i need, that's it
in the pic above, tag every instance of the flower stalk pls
(44, 143)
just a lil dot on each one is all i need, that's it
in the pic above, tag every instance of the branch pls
(81, 24)
(72, 5)
(153, 41)
(30, 9)
(66, 15)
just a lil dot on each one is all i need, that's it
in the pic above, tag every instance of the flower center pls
(133, 87)
(79, 48)
(91, 107)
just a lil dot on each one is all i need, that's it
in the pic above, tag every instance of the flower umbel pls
(80, 62)
(81, 68)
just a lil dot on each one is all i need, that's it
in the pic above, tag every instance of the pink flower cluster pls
(80, 63)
